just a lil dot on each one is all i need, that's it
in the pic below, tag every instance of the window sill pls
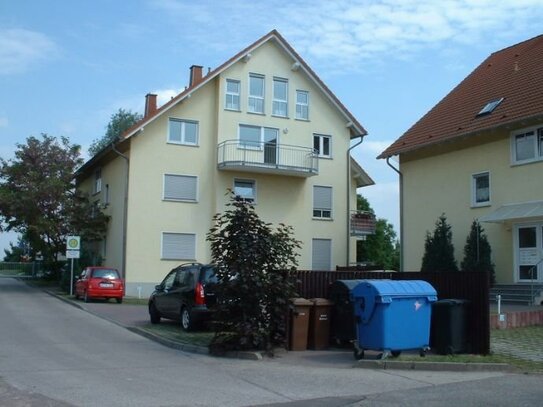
(302, 120)
(280, 117)
(179, 200)
(481, 205)
(525, 162)
(324, 157)
(182, 259)
(324, 219)
(257, 113)
(232, 110)
(182, 144)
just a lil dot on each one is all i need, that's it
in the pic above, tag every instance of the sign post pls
(73, 247)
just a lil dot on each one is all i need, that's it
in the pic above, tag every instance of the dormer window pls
(489, 107)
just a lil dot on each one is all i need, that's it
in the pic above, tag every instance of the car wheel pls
(186, 320)
(119, 300)
(86, 297)
(76, 295)
(154, 314)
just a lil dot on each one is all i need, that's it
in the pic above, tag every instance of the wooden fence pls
(471, 286)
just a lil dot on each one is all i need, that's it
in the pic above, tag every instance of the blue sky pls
(67, 65)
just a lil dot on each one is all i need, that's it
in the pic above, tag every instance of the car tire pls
(119, 300)
(186, 320)
(154, 314)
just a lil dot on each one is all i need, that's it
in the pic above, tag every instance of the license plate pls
(106, 285)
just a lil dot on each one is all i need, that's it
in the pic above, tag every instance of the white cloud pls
(4, 122)
(20, 49)
(354, 33)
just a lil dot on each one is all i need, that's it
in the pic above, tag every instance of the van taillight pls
(199, 295)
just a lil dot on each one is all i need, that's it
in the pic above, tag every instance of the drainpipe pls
(125, 209)
(401, 213)
(349, 197)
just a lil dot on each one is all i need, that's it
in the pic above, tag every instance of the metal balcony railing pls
(268, 157)
(362, 223)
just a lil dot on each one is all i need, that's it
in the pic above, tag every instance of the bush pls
(252, 262)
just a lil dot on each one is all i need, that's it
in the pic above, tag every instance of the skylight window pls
(489, 107)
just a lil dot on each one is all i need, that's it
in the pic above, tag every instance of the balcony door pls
(529, 252)
(271, 144)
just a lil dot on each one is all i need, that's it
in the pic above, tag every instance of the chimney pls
(195, 74)
(150, 104)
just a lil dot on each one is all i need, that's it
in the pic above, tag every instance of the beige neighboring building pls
(478, 154)
(262, 124)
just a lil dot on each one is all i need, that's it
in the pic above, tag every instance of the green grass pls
(172, 330)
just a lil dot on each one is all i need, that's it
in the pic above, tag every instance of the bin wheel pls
(396, 353)
(359, 354)
(422, 352)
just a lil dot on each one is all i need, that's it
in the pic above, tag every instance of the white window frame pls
(97, 188)
(183, 139)
(164, 198)
(329, 254)
(322, 211)
(232, 95)
(302, 105)
(321, 138)
(537, 144)
(277, 101)
(474, 178)
(257, 97)
(252, 181)
(163, 257)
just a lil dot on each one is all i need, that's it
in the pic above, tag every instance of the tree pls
(18, 252)
(252, 263)
(38, 197)
(438, 248)
(381, 248)
(118, 124)
(477, 252)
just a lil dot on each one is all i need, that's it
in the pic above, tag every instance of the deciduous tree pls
(38, 197)
(120, 121)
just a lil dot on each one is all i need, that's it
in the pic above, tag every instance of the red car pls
(99, 282)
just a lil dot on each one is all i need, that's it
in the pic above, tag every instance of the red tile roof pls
(514, 73)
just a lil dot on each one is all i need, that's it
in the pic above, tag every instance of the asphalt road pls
(54, 354)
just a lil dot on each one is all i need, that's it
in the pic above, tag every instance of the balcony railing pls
(267, 157)
(362, 223)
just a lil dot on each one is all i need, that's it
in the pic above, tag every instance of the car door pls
(162, 294)
(80, 283)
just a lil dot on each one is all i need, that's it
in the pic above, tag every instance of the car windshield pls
(110, 274)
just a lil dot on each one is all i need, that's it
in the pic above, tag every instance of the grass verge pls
(172, 331)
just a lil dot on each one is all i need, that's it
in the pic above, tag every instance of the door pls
(271, 143)
(164, 298)
(529, 253)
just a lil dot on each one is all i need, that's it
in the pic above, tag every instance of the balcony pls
(362, 223)
(267, 157)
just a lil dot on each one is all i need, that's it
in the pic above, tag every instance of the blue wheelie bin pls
(392, 315)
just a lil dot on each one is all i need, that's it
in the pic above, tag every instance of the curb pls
(435, 366)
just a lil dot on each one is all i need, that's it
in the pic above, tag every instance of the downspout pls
(125, 209)
(401, 213)
(349, 197)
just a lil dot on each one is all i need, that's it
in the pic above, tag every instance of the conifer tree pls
(439, 249)
(477, 252)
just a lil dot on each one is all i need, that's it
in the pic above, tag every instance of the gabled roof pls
(357, 128)
(514, 74)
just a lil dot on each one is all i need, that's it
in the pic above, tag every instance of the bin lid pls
(345, 284)
(451, 302)
(301, 301)
(321, 301)
(385, 290)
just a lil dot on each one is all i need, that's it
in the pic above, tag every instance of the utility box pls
(299, 323)
(392, 316)
(343, 323)
(449, 326)
(319, 323)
